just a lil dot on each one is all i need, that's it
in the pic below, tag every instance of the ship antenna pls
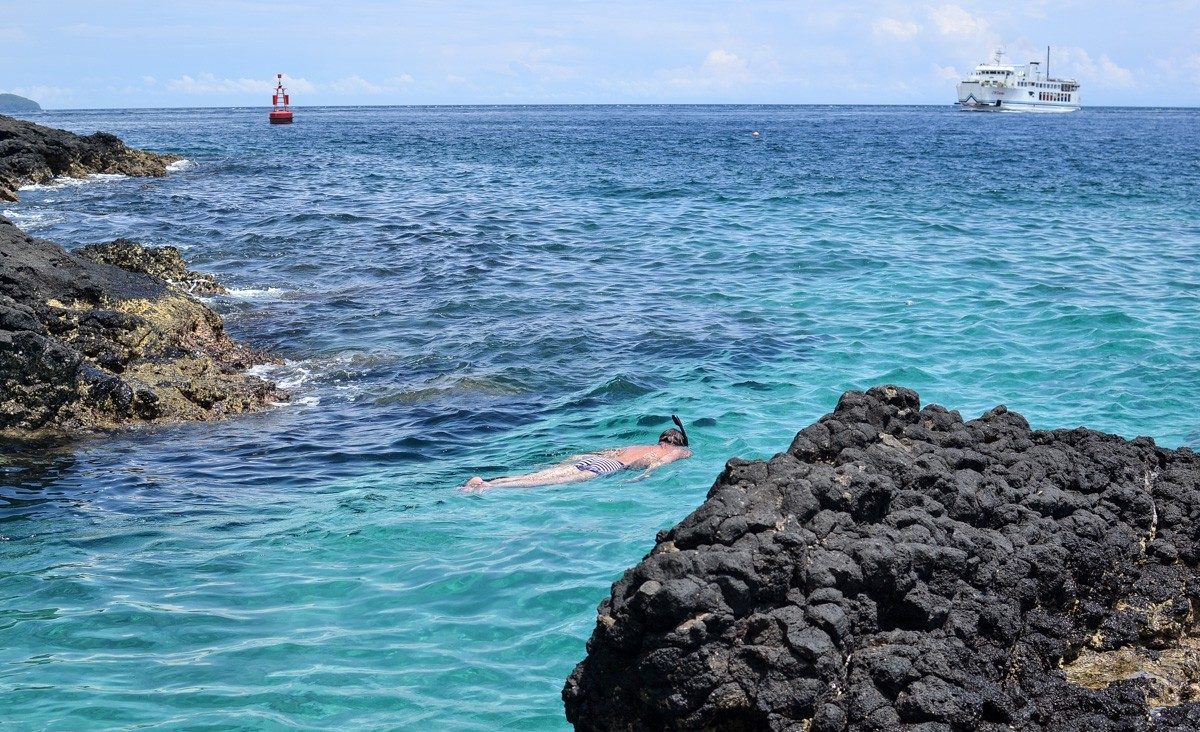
(1047, 63)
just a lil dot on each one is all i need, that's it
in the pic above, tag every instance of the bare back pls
(646, 456)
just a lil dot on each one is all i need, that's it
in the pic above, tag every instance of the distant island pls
(14, 103)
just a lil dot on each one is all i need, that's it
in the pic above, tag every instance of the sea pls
(460, 291)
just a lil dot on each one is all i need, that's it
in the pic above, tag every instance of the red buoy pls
(280, 114)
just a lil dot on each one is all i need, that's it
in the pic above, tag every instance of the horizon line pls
(572, 104)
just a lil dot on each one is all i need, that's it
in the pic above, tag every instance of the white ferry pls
(998, 87)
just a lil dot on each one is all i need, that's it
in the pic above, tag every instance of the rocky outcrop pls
(85, 343)
(901, 569)
(31, 153)
(164, 263)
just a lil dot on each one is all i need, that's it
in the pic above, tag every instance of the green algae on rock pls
(85, 343)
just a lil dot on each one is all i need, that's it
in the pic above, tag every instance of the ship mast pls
(1047, 63)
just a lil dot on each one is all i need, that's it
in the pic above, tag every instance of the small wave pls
(179, 165)
(64, 181)
(31, 219)
(449, 388)
(288, 375)
(306, 401)
(254, 293)
(617, 389)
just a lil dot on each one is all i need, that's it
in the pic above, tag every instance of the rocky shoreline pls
(33, 153)
(901, 569)
(111, 334)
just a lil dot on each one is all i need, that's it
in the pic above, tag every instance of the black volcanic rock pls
(32, 153)
(901, 569)
(86, 344)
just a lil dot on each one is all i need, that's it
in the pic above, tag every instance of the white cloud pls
(1102, 72)
(355, 84)
(44, 94)
(724, 68)
(546, 63)
(720, 70)
(824, 19)
(149, 80)
(952, 20)
(1117, 75)
(210, 84)
(948, 73)
(901, 30)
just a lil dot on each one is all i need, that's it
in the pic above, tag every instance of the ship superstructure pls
(999, 87)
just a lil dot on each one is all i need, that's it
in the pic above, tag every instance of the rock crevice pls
(901, 568)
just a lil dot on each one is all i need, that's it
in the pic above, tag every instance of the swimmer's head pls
(675, 437)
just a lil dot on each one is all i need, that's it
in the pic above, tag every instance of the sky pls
(137, 53)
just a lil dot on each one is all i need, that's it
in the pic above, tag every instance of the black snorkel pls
(682, 431)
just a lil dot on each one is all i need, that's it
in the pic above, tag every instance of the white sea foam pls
(63, 181)
(31, 219)
(254, 293)
(179, 165)
(288, 375)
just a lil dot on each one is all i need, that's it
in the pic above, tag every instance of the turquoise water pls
(487, 290)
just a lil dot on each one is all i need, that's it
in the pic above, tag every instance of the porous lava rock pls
(86, 344)
(899, 568)
(33, 153)
(164, 263)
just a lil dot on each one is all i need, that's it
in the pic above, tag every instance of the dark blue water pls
(488, 290)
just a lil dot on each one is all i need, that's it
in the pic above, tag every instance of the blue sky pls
(129, 53)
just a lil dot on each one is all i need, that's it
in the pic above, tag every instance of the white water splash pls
(179, 165)
(64, 181)
(255, 293)
(288, 375)
(28, 220)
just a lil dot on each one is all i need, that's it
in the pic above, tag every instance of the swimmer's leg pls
(557, 475)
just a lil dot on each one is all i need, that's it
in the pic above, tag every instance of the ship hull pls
(975, 97)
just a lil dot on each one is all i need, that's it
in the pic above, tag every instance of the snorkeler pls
(672, 445)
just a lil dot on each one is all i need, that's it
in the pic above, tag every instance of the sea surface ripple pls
(461, 291)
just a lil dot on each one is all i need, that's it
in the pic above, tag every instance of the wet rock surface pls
(899, 568)
(87, 344)
(33, 153)
(164, 263)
